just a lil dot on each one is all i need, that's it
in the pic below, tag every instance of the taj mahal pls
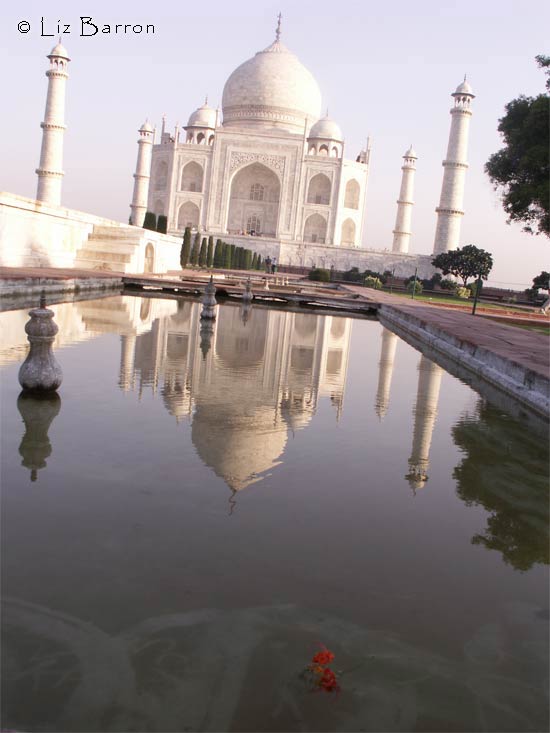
(275, 168)
(268, 171)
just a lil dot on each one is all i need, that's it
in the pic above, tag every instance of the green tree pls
(218, 256)
(259, 263)
(162, 224)
(542, 281)
(465, 263)
(319, 274)
(210, 252)
(150, 221)
(521, 170)
(233, 250)
(194, 258)
(254, 261)
(248, 260)
(185, 248)
(202, 253)
(227, 259)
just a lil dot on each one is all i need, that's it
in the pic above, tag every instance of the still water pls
(201, 508)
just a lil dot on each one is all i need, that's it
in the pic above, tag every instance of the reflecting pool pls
(204, 505)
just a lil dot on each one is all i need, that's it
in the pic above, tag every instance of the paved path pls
(530, 349)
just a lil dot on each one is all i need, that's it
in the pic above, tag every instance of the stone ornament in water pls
(40, 372)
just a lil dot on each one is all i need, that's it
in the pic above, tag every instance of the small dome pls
(326, 129)
(411, 153)
(146, 127)
(464, 88)
(59, 50)
(204, 116)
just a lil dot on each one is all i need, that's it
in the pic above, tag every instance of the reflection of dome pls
(272, 89)
(326, 129)
(204, 116)
(238, 447)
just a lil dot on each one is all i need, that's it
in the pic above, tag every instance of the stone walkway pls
(530, 349)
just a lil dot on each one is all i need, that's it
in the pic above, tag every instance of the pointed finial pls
(464, 77)
(327, 113)
(206, 100)
(60, 38)
(278, 31)
(42, 299)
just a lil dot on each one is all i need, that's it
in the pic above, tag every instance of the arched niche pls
(161, 175)
(348, 233)
(351, 199)
(191, 177)
(255, 192)
(149, 262)
(188, 215)
(315, 229)
(318, 191)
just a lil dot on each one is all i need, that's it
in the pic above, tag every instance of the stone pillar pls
(142, 174)
(425, 413)
(449, 211)
(50, 170)
(385, 372)
(402, 231)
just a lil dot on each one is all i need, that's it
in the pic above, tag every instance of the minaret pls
(50, 170)
(385, 372)
(449, 211)
(402, 231)
(425, 413)
(142, 174)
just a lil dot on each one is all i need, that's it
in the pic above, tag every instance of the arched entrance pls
(188, 215)
(315, 229)
(254, 199)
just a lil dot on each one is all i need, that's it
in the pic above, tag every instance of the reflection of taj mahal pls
(244, 384)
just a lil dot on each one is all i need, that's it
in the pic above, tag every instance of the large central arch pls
(254, 197)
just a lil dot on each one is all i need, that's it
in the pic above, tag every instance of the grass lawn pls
(466, 303)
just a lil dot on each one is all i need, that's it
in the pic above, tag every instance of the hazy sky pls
(384, 69)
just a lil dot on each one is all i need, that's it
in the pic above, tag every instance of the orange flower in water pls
(328, 681)
(324, 657)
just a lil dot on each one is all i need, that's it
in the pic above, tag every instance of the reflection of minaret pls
(425, 413)
(37, 413)
(385, 372)
(127, 356)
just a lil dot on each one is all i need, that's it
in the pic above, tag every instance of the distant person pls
(268, 264)
(274, 265)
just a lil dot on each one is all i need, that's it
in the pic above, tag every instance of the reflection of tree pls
(505, 469)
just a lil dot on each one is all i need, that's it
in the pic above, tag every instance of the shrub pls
(416, 287)
(463, 292)
(194, 258)
(150, 221)
(447, 284)
(202, 253)
(185, 248)
(227, 256)
(353, 275)
(162, 224)
(210, 252)
(218, 254)
(319, 275)
(373, 282)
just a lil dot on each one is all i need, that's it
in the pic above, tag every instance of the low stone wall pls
(33, 234)
(340, 258)
(527, 386)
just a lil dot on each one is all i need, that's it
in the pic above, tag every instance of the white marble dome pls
(465, 88)
(60, 51)
(271, 90)
(326, 129)
(204, 116)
